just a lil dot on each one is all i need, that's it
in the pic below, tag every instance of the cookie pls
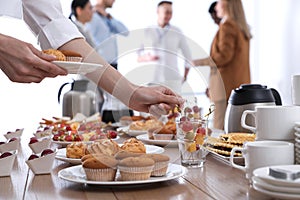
(59, 55)
(238, 138)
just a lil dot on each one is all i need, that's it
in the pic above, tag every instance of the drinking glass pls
(191, 135)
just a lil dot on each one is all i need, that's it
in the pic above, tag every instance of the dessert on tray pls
(225, 142)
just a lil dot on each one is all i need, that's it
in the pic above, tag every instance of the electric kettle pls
(78, 100)
(247, 97)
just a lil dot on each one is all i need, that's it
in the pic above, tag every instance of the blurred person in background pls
(25, 64)
(213, 13)
(166, 41)
(103, 28)
(82, 10)
(229, 56)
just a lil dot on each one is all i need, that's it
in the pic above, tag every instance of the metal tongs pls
(284, 174)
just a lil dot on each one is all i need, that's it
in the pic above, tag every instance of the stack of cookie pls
(225, 142)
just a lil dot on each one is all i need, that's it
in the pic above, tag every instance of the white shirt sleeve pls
(46, 20)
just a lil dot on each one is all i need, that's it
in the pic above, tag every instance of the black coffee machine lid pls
(253, 93)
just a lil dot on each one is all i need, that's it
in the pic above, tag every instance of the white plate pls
(297, 134)
(130, 132)
(65, 143)
(77, 67)
(263, 173)
(76, 174)
(116, 124)
(61, 154)
(297, 129)
(262, 184)
(226, 159)
(167, 143)
(216, 132)
(276, 195)
(297, 124)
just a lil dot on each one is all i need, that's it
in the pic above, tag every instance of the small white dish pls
(297, 134)
(263, 173)
(38, 147)
(16, 134)
(297, 129)
(166, 143)
(277, 195)
(42, 164)
(261, 183)
(7, 163)
(297, 141)
(125, 122)
(45, 133)
(10, 146)
(297, 151)
(77, 67)
(130, 132)
(163, 136)
(297, 124)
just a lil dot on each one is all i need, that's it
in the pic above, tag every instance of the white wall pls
(274, 51)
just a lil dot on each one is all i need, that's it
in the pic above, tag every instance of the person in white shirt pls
(103, 28)
(165, 41)
(23, 63)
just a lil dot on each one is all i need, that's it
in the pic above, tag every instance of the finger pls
(157, 110)
(49, 67)
(165, 108)
(40, 54)
(154, 111)
(34, 74)
(170, 99)
(25, 79)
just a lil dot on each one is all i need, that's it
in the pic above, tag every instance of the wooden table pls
(215, 180)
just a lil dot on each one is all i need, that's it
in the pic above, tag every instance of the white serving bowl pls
(42, 165)
(16, 134)
(157, 136)
(6, 164)
(38, 147)
(10, 146)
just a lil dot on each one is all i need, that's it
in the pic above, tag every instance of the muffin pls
(161, 164)
(133, 145)
(135, 168)
(59, 55)
(104, 146)
(99, 167)
(75, 150)
(125, 154)
(72, 56)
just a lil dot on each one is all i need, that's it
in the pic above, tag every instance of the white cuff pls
(58, 32)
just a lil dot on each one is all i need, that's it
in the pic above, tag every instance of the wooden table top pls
(216, 180)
